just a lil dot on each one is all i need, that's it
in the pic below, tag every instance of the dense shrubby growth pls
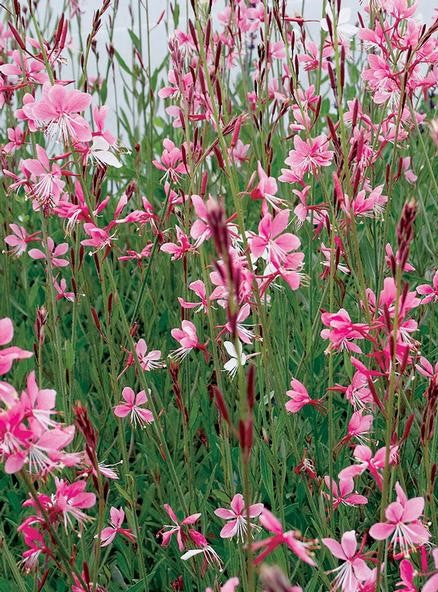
(218, 314)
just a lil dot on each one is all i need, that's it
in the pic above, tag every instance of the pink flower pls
(19, 239)
(272, 242)
(108, 534)
(71, 499)
(343, 494)
(16, 139)
(38, 405)
(341, 331)
(366, 461)
(307, 156)
(180, 248)
(358, 426)
(299, 397)
(47, 185)
(244, 334)
(198, 287)
(432, 583)
(425, 368)
(26, 114)
(409, 174)
(279, 537)
(188, 339)
(9, 354)
(288, 270)
(178, 529)
(238, 153)
(54, 254)
(407, 573)
(403, 523)
(430, 293)
(229, 586)
(132, 407)
(171, 161)
(29, 70)
(100, 238)
(266, 190)
(59, 108)
(237, 518)
(353, 569)
(200, 230)
(148, 361)
(61, 290)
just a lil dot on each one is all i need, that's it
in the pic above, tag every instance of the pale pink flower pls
(308, 155)
(47, 186)
(403, 523)
(353, 570)
(390, 255)
(27, 69)
(138, 256)
(188, 339)
(237, 518)
(54, 253)
(371, 205)
(200, 230)
(16, 139)
(38, 405)
(171, 161)
(238, 153)
(333, 260)
(26, 113)
(409, 174)
(59, 109)
(133, 406)
(359, 426)
(148, 360)
(108, 534)
(9, 354)
(19, 239)
(280, 537)
(62, 290)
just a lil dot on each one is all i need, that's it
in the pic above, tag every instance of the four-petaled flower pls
(238, 518)
(133, 407)
(108, 534)
(403, 523)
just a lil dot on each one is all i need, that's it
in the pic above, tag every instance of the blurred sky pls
(312, 10)
(122, 41)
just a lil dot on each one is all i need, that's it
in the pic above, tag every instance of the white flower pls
(236, 358)
(345, 30)
(100, 150)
